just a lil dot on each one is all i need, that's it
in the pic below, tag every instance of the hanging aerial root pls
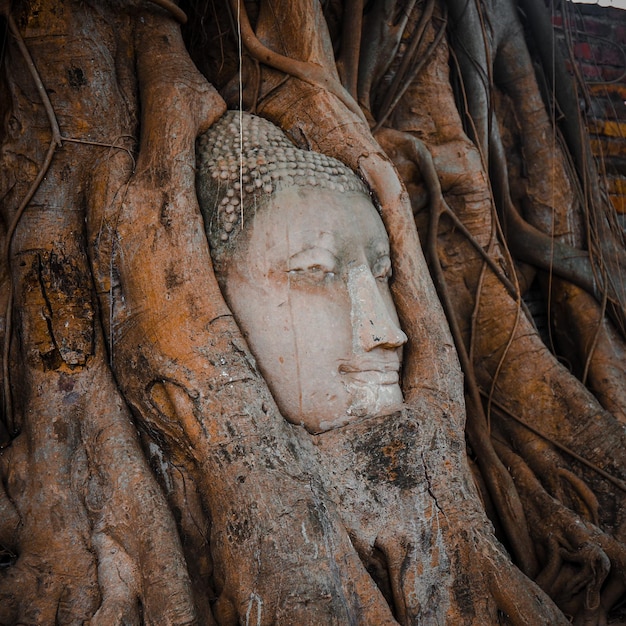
(395, 96)
(348, 61)
(56, 141)
(416, 151)
(532, 246)
(399, 84)
(578, 556)
(383, 28)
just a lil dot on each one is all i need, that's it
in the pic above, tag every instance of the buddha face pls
(309, 289)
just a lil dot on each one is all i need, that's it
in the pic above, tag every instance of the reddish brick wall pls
(598, 38)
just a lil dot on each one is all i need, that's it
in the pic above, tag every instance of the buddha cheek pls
(322, 339)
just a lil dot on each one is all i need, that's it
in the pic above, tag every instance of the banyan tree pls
(174, 454)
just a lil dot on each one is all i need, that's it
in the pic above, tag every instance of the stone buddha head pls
(302, 258)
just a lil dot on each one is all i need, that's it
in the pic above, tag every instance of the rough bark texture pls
(147, 475)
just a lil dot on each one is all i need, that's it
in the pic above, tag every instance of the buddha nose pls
(374, 324)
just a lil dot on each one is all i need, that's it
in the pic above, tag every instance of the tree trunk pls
(147, 474)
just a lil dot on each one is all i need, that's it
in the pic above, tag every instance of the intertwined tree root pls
(115, 324)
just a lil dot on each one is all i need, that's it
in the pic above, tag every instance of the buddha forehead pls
(243, 161)
(321, 226)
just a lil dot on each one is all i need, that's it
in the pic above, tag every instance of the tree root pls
(570, 487)
(617, 482)
(417, 533)
(579, 558)
(499, 483)
(591, 343)
(232, 434)
(383, 28)
(315, 75)
(348, 60)
(177, 13)
(75, 475)
(389, 104)
(55, 141)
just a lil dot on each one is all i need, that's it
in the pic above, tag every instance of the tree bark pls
(147, 474)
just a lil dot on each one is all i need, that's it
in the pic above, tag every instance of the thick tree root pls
(501, 352)
(410, 529)
(79, 555)
(184, 367)
(591, 344)
(581, 562)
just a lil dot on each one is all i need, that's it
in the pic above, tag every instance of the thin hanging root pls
(308, 72)
(501, 486)
(458, 224)
(408, 60)
(351, 44)
(55, 142)
(596, 338)
(41, 90)
(102, 144)
(417, 152)
(417, 68)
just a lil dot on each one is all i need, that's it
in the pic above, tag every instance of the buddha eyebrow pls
(314, 248)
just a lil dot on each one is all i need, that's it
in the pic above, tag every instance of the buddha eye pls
(316, 265)
(382, 269)
(320, 269)
(315, 272)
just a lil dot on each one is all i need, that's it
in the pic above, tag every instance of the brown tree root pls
(590, 342)
(79, 555)
(580, 331)
(418, 379)
(383, 28)
(581, 562)
(193, 383)
(500, 345)
(348, 58)
(321, 76)
(500, 486)
(175, 477)
(75, 475)
(420, 530)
